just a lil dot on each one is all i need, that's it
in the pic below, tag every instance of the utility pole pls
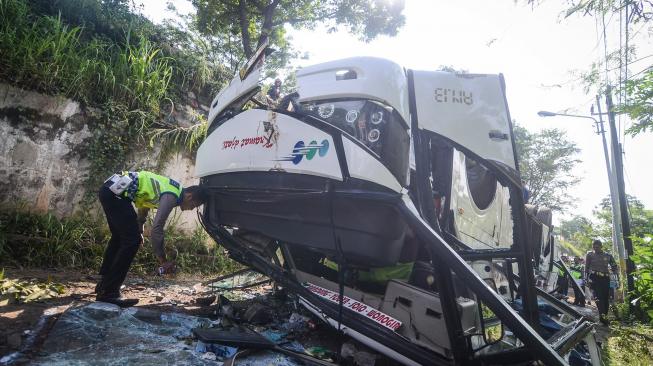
(617, 242)
(618, 163)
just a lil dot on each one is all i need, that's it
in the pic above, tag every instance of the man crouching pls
(145, 190)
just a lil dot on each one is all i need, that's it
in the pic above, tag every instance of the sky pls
(539, 52)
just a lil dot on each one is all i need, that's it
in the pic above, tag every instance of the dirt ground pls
(169, 293)
(176, 293)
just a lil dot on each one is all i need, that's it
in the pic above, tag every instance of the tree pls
(639, 10)
(259, 20)
(574, 225)
(637, 89)
(576, 235)
(639, 106)
(580, 231)
(546, 160)
(641, 219)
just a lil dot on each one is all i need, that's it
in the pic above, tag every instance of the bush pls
(643, 276)
(97, 52)
(29, 239)
(46, 54)
(631, 345)
(104, 55)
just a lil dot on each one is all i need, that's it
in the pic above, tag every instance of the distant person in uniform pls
(576, 270)
(562, 283)
(597, 273)
(275, 91)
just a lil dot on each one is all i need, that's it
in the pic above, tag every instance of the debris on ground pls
(237, 280)
(14, 291)
(321, 353)
(258, 314)
(205, 301)
(352, 353)
(104, 333)
(161, 332)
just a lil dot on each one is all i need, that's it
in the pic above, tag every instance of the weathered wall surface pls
(41, 164)
(38, 135)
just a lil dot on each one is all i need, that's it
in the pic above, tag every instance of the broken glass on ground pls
(238, 280)
(101, 333)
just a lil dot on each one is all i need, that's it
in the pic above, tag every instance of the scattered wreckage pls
(389, 200)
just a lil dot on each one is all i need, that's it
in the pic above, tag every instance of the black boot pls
(98, 286)
(116, 299)
(122, 302)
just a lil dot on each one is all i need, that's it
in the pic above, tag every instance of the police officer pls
(597, 266)
(145, 190)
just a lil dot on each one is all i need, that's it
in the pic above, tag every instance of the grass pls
(29, 239)
(572, 248)
(106, 56)
(99, 52)
(629, 344)
(46, 54)
(178, 138)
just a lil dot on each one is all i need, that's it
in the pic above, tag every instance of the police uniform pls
(145, 190)
(597, 270)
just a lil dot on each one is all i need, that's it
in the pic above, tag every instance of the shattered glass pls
(104, 334)
(242, 279)
(267, 358)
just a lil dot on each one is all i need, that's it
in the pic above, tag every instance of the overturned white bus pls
(389, 200)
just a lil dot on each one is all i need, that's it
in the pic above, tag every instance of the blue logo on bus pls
(309, 151)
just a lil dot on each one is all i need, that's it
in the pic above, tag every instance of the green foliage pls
(570, 248)
(198, 253)
(629, 345)
(103, 54)
(256, 21)
(643, 275)
(46, 54)
(17, 291)
(641, 219)
(43, 240)
(639, 106)
(639, 11)
(179, 138)
(575, 225)
(577, 235)
(579, 232)
(638, 90)
(116, 131)
(29, 239)
(546, 160)
(112, 19)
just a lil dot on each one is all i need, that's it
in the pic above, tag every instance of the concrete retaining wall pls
(41, 163)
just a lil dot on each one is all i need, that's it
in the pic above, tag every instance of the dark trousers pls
(601, 287)
(123, 245)
(563, 285)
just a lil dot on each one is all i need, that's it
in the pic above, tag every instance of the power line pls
(625, 100)
(640, 72)
(633, 61)
(621, 49)
(630, 184)
(640, 29)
